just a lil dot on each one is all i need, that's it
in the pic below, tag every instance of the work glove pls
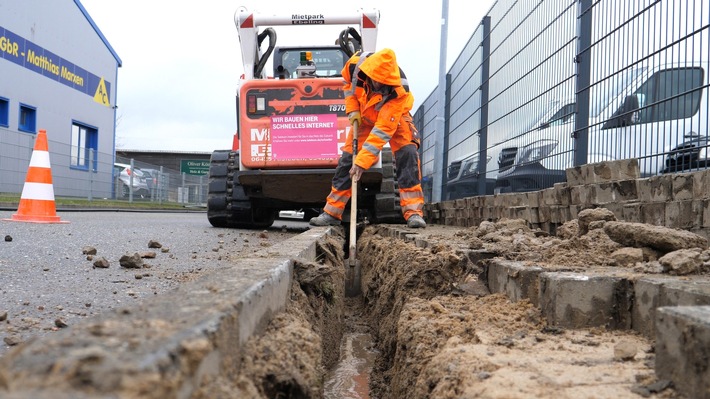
(355, 116)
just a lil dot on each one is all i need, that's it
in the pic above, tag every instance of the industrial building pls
(59, 74)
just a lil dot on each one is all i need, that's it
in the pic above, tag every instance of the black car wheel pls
(123, 191)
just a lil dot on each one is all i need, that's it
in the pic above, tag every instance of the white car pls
(126, 177)
(648, 115)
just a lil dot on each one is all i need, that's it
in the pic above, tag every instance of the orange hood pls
(382, 67)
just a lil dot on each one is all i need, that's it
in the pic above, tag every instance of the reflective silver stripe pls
(413, 207)
(339, 198)
(410, 194)
(379, 105)
(404, 82)
(333, 210)
(380, 134)
(349, 93)
(374, 150)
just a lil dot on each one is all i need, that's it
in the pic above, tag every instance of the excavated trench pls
(426, 326)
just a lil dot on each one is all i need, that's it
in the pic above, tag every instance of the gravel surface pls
(48, 282)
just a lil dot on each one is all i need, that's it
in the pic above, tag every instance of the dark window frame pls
(84, 138)
(27, 121)
(4, 112)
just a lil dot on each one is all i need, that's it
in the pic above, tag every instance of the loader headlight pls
(536, 151)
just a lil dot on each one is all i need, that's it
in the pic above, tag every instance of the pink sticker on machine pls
(295, 137)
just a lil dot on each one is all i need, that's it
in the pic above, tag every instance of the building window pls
(4, 112)
(84, 143)
(28, 119)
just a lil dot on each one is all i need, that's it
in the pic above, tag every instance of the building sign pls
(24, 53)
(197, 167)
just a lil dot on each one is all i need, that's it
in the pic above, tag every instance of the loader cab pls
(328, 60)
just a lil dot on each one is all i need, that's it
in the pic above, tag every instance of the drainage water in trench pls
(350, 378)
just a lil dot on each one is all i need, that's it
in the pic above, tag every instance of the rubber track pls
(387, 207)
(227, 203)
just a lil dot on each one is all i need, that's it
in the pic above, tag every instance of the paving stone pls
(578, 300)
(682, 349)
(515, 279)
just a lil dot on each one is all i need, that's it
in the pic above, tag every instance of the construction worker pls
(377, 97)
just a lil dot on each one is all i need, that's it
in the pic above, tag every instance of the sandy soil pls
(440, 334)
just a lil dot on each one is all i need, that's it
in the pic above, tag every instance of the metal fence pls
(106, 177)
(545, 85)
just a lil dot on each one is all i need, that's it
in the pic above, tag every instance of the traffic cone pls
(37, 199)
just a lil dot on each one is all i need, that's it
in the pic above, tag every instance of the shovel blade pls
(352, 278)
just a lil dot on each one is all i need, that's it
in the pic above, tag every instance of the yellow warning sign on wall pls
(101, 95)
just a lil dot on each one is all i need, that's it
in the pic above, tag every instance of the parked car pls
(128, 180)
(692, 154)
(647, 114)
(463, 176)
(518, 166)
(151, 178)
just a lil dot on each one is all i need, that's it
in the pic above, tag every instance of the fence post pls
(184, 200)
(91, 174)
(199, 190)
(440, 122)
(583, 63)
(445, 154)
(160, 185)
(483, 133)
(130, 183)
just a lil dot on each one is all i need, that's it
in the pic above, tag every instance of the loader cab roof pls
(329, 60)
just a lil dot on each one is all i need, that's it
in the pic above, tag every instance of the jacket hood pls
(382, 67)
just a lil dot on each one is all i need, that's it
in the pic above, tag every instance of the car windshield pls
(604, 91)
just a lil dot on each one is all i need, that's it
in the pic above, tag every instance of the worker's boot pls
(416, 222)
(324, 219)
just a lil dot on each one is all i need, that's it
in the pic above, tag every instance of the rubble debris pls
(131, 261)
(661, 238)
(102, 263)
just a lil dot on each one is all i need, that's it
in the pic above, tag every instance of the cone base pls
(35, 219)
(36, 211)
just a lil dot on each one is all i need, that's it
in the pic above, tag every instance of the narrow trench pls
(350, 377)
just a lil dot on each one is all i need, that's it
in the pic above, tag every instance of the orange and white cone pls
(37, 200)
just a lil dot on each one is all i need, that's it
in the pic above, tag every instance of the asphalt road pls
(46, 281)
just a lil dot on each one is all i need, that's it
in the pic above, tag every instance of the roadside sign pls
(197, 167)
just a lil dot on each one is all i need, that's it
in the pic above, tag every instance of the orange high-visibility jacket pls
(381, 112)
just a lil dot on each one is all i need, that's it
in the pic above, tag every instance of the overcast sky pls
(181, 60)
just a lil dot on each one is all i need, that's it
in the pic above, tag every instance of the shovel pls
(352, 265)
